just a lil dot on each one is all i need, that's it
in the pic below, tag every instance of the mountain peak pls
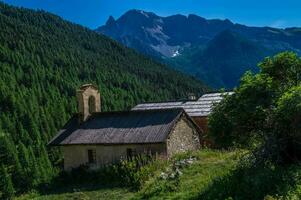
(228, 21)
(136, 12)
(194, 16)
(110, 21)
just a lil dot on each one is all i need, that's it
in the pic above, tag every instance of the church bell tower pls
(88, 99)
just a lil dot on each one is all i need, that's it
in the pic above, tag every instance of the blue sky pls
(93, 13)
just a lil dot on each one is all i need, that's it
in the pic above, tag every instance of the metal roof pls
(128, 127)
(199, 108)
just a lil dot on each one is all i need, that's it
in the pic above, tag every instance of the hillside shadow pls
(253, 183)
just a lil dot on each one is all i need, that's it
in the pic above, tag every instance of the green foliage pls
(129, 173)
(7, 190)
(248, 183)
(288, 112)
(240, 118)
(284, 69)
(86, 193)
(287, 123)
(43, 60)
(265, 109)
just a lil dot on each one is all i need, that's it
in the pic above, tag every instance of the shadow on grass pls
(80, 181)
(126, 174)
(253, 183)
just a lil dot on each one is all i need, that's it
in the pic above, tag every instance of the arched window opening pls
(91, 104)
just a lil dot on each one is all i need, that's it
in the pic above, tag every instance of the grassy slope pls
(196, 177)
(213, 175)
(104, 193)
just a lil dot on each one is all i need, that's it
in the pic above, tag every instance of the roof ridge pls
(187, 100)
(136, 111)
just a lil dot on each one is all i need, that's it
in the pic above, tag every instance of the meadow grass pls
(210, 175)
(196, 177)
(105, 194)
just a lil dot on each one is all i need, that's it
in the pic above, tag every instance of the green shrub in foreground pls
(249, 182)
(264, 112)
(131, 173)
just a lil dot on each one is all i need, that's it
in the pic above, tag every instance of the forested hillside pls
(43, 59)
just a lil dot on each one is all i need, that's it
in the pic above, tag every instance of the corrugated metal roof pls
(128, 127)
(199, 108)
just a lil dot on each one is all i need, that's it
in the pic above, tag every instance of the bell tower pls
(88, 99)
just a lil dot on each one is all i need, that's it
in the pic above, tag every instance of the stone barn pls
(97, 138)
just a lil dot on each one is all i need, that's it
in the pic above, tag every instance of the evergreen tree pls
(7, 190)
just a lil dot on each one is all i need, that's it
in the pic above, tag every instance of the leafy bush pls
(248, 183)
(131, 173)
(264, 112)
(288, 123)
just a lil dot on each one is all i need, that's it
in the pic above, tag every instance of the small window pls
(92, 156)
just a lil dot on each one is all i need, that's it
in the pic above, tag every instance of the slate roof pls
(199, 108)
(128, 127)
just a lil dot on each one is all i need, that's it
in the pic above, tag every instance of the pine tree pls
(7, 189)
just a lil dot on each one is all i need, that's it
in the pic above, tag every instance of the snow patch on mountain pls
(175, 54)
(143, 13)
(166, 50)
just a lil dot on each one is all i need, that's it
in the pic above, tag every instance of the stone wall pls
(183, 138)
(77, 155)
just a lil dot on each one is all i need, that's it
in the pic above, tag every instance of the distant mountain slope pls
(175, 38)
(224, 59)
(43, 60)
